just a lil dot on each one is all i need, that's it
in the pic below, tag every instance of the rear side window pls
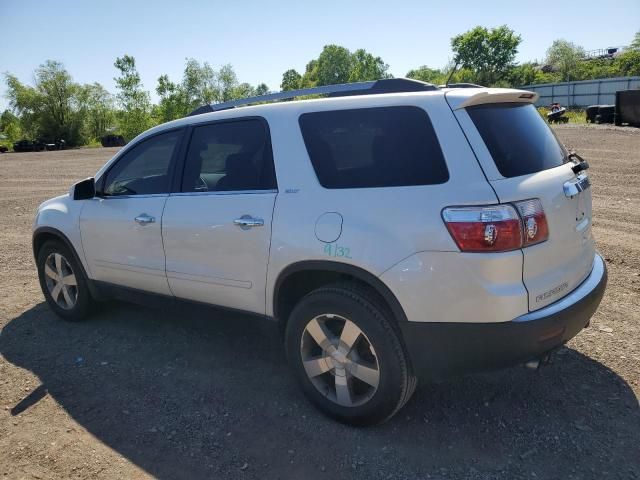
(517, 137)
(229, 156)
(373, 147)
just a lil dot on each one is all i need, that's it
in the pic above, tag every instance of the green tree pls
(242, 90)
(565, 58)
(528, 73)
(99, 108)
(10, 127)
(365, 67)
(58, 96)
(334, 65)
(627, 63)
(291, 80)
(635, 43)
(199, 86)
(310, 77)
(489, 53)
(199, 83)
(173, 101)
(227, 83)
(53, 108)
(261, 89)
(135, 114)
(26, 102)
(426, 74)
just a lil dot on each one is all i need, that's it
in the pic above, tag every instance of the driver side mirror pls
(83, 190)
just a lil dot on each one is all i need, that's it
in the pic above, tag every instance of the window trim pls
(173, 163)
(182, 164)
(426, 113)
(223, 192)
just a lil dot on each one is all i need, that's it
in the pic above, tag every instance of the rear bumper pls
(440, 350)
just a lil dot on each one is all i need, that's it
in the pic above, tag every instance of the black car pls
(25, 145)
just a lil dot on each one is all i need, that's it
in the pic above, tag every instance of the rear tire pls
(348, 356)
(63, 282)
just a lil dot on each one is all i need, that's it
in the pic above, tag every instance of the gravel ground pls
(136, 392)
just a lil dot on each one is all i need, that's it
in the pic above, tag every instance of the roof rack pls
(391, 85)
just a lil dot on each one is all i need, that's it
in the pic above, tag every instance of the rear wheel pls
(63, 282)
(347, 355)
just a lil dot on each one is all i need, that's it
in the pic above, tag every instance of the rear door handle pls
(246, 222)
(144, 219)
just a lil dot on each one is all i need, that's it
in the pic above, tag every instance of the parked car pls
(113, 141)
(4, 149)
(394, 231)
(59, 144)
(25, 145)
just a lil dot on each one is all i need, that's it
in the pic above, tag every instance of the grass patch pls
(576, 115)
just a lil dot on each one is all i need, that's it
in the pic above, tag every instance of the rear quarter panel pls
(381, 226)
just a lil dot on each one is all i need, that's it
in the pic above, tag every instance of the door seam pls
(164, 251)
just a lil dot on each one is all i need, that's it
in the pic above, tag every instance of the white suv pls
(394, 230)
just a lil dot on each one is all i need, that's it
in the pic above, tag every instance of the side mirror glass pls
(83, 190)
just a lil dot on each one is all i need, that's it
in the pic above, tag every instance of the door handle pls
(144, 219)
(245, 222)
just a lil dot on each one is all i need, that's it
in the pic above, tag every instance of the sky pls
(262, 39)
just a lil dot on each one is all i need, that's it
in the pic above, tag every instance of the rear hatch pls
(522, 159)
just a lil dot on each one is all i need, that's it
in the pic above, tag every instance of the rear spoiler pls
(463, 98)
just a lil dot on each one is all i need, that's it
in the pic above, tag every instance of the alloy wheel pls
(61, 281)
(340, 360)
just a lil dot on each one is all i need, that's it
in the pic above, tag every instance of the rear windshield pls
(517, 137)
(373, 147)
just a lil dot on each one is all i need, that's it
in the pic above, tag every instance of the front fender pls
(60, 217)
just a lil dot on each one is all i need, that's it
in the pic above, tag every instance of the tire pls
(55, 261)
(342, 380)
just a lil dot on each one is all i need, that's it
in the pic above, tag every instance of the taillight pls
(534, 221)
(497, 228)
(494, 228)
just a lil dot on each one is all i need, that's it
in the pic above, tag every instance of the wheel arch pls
(42, 234)
(316, 273)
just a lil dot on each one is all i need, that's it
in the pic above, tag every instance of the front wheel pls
(63, 282)
(347, 355)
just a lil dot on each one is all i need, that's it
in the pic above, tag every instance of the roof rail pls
(391, 85)
(461, 85)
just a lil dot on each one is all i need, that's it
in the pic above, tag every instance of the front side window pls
(229, 156)
(145, 169)
(373, 147)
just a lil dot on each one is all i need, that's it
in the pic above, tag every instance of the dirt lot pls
(179, 394)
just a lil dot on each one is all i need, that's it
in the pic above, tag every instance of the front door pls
(121, 227)
(217, 229)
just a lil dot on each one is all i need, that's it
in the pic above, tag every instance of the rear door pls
(522, 159)
(217, 229)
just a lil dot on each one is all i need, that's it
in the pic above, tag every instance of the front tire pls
(63, 282)
(348, 356)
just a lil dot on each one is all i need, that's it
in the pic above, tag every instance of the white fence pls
(583, 93)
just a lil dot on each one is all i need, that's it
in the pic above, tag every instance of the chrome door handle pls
(247, 221)
(144, 219)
